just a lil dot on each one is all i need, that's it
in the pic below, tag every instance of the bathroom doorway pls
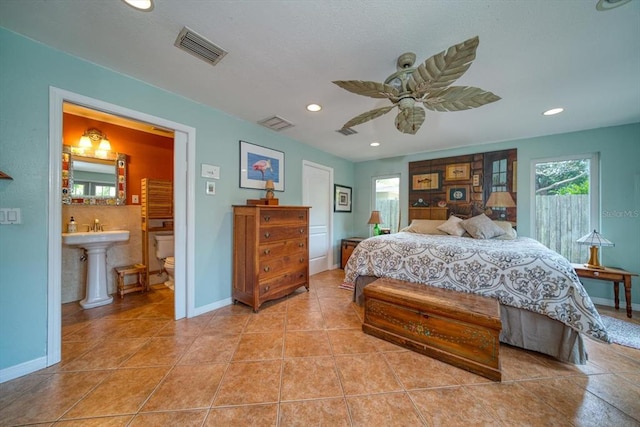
(184, 156)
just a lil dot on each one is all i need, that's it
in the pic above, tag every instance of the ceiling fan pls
(428, 84)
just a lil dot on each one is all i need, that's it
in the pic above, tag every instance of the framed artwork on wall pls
(426, 181)
(342, 198)
(259, 164)
(457, 193)
(458, 172)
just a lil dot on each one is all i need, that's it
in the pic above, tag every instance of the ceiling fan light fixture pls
(143, 5)
(553, 111)
(314, 107)
(604, 5)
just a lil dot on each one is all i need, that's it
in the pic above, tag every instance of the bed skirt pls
(524, 329)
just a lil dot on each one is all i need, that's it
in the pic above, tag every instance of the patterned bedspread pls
(521, 273)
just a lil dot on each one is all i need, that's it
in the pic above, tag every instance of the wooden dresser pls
(270, 252)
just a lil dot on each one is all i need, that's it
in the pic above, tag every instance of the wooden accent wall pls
(149, 155)
(467, 177)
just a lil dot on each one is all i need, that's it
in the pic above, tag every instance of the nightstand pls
(614, 275)
(346, 249)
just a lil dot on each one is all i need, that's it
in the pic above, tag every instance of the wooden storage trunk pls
(458, 328)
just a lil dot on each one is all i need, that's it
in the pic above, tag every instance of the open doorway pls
(184, 156)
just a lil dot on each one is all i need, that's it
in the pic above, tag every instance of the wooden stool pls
(122, 272)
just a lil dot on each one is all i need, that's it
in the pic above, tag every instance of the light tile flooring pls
(302, 360)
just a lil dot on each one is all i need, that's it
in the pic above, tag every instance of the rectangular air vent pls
(276, 123)
(199, 47)
(346, 131)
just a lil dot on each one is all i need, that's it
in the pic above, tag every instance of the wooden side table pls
(346, 249)
(614, 275)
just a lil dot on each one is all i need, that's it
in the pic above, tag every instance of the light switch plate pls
(210, 171)
(10, 216)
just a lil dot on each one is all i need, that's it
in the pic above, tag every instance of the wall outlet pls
(135, 199)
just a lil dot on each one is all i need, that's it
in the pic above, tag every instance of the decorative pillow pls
(509, 231)
(452, 226)
(424, 226)
(481, 227)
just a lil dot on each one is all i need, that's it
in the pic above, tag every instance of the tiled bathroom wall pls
(74, 270)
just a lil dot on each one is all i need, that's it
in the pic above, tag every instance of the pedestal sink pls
(96, 245)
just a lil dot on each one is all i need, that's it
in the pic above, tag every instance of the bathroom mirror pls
(91, 180)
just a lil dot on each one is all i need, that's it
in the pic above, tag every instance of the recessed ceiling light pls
(144, 5)
(553, 111)
(375, 144)
(314, 107)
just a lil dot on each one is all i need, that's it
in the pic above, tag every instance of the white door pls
(317, 183)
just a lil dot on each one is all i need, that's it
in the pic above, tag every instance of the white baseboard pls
(213, 306)
(611, 303)
(25, 368)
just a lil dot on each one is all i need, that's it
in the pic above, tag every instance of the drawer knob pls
(301, 259)
(301, 245)
(301, 216)
(302, 231)
(267, 251)
(266, 269)
(267, 218)
(266, 288)
(267, 235)
(596, 273)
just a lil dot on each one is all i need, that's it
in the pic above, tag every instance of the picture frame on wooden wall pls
(458, 172)
(342, 198)
(426, 182)
(259, 164)
(458, 194)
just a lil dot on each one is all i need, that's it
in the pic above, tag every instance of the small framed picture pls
(342, 198)
(426, 181)
(458, 193)
(458, 172)
(211, 188)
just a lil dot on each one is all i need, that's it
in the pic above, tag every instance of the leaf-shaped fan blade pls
(369, 115)
(372, 89)
(442, 69)
(410, 119)
(457, 98)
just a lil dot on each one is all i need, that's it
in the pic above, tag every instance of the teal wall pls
(27, 70)
(619, 149)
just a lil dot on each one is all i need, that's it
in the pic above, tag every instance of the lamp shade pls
(104, 144)
(500, 199)
(594, 239)
(375, 218)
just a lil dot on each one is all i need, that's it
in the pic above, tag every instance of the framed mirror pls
(92, 180)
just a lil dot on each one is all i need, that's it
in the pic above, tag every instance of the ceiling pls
(283, 55)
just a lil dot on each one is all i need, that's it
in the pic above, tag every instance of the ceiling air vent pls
(275, 123)
(347, 131)
(199, 47)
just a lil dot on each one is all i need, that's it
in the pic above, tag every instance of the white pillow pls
(453, 226)
(481, 227)
(424, 226)
(510, 232)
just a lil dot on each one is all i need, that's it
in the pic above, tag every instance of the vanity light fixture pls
(142, 5)
(553, 111)
(91, 136)
(314, 107)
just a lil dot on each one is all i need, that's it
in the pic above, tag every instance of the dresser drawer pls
(290, 216)
(276, 284)
(270, 234)
(276, 266)
(283, 247)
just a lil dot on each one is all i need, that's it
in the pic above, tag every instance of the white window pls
(565, 202)
(386, 199)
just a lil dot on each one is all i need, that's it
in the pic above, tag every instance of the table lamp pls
(594, 240)
(375, 219)
(501, 199)
(269, 187)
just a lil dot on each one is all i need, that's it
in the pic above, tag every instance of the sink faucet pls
(96, 225)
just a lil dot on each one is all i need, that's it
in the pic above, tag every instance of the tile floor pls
(303, 361)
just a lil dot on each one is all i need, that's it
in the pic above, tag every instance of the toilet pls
(164, 252)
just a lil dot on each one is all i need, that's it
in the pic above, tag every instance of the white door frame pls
(184, 210)
(305, 191)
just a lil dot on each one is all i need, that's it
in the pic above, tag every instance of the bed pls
(544, 307)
